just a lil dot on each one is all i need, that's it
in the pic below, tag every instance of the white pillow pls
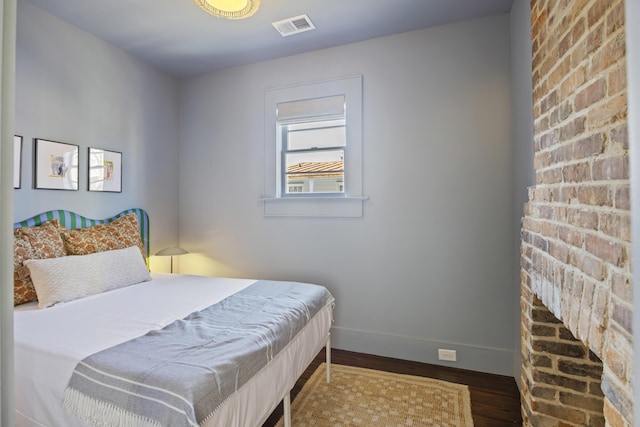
(71, 277)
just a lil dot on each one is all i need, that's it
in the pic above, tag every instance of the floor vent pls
(295, 25)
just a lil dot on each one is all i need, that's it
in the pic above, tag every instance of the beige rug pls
(365, 397)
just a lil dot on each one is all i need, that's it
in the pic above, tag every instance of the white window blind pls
(328, 106)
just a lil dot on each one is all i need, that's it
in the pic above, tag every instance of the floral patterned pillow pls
(38, 242)
(121, 233)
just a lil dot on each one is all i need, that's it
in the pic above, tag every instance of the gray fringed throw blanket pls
(179, 375)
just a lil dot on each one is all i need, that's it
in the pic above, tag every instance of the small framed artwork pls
(17, 161)
(56, 165)
(105, 170)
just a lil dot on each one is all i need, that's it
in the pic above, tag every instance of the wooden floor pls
(495, 400)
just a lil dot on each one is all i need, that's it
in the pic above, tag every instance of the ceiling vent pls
(295, 25)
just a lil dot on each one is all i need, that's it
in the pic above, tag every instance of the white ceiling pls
(183, 40)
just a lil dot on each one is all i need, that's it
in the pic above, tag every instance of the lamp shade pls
(172, 251)
(230, 9)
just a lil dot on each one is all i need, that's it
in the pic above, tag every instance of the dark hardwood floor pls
(495, 399)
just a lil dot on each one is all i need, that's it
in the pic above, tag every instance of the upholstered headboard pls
(72, 220)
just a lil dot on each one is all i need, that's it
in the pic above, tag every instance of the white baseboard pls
(475, 358)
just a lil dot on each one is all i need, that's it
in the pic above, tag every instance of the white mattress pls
(50, 342)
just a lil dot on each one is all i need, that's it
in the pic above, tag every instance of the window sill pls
(318, 207)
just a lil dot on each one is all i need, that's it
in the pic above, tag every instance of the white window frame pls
(350, 203)
(282, 136)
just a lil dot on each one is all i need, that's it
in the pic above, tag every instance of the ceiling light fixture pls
(230, 9)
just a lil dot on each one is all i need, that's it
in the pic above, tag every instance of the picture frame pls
(17, 161)
(104, 170)
(55, 165)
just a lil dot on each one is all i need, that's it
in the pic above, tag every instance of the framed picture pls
(17, 161)
(56, 165)
(105, 170)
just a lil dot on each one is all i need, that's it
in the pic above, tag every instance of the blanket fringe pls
(101, 414)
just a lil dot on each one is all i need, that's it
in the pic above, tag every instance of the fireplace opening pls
(561, 377)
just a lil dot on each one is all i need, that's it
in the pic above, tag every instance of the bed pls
(61, 337)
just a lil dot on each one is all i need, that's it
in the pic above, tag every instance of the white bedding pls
(50, 342)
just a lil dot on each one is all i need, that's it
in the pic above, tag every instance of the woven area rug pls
(365, 397)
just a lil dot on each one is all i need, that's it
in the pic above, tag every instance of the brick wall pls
(575, 253)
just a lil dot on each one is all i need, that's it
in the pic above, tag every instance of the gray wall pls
(522, 135)
(430, 265)
(7, 102)
(73, 87)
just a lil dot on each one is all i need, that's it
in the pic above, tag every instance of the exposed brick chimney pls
(576, 234)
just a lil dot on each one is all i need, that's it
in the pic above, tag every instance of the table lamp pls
(171, 252)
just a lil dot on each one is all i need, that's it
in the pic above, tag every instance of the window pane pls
(314, 136)
(316, 123)
(316, 172)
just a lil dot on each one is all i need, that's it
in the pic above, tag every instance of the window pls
(313, 149)
(312, 141)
